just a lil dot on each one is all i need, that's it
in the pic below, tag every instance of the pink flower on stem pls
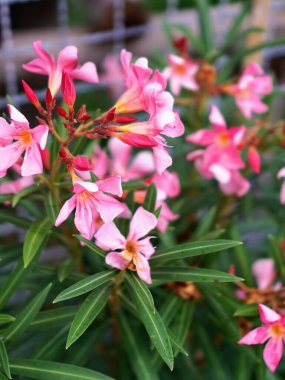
(67, 61)
(17, 138)
(90, 199)
(181, 74)
(134, 251)
(249, 90)
(221, 158)
(281, 174)
(273, 331)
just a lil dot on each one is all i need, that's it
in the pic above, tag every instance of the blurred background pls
(101, 27)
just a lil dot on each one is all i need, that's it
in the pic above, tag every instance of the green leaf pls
(57, 339)
(153, 323)
(87, 312)
(277, 255)
(35, 237)
(64, 269)
(13, 282)
(183, 251)
(182, 322)
(9, 217)
(85, 285)
(91, 245)
(150, 198)
(53, 318)
(133, 185)
(205, 24)
(23, 193)
(51, 206)
(206, 223)
(139, 357)
(141, 289)
(4, 361)
(5, 318)
(45, 370)
(247, 311)
(27, 315)
(236, 26)
(10, 253)
(192, 274)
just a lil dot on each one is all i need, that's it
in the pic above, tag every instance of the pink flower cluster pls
(146, 92)
(221, 158)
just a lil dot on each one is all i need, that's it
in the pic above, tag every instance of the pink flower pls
(18, 138)
(90, 199)
(221, 159)
(264, 273)
(252, 86)
(165, 217)
(254, 159)
(67, 61)
(134, 251)
(14, 186)
(167, 184)
(181, 74)
(273, 330)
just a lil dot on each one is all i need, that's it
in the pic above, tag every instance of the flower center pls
(223, 139)
(24, 137)
(180, 69)
(277, 330)
(131, 248)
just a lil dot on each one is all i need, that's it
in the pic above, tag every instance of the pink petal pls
(17, 116)
(32, 163)
(80, 186)
(162, 159)
(6, 131)
(174, 129)
(168, 182)
(109, 237)
(267, 315)
(9, 155)
(263, 85)
(86, 72)
(145, 247)
(111, 185)
(116, 260)
(282, 194)
(121, 153)
(256, 336)
(202, 137)
(236, 134)
(264, 273)
(141, 224)
(281, 173)
(84, 219)
(143, 269)
(42, 54)
(221, 174)
(37, 66)
(216, 118)
(40, 134)
(142, 164)
(272, 353)
(66, 210)
(67, 58)
(107, 206)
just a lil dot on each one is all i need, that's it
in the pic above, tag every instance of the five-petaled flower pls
(273, 330)
(134, 251)
(90, 202)
(17, 138)
(67, 62)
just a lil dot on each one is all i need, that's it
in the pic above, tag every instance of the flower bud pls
(253, 159)
(30, 94)
(81, 163)
(125, 119)
(68, 90)
(61, 111)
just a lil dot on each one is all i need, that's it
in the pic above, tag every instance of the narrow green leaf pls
(53, 318)
(64, 269)
(183, 251)
(205, 24)
(27, 315)
(4, 361)
(205, 224)
(85, 285)
(23, 193)
(51, 206)
(45, 370)
(150, 198)
(247, 311)
(182, 322)
(45, 350)
(133, 185)
(9, 217)
(139, 357)
(87, 312)
(5, 318)
(35, 237)
(91, 245)
(192, 274)
(141, 289)
(153, 323)
(10, 253)
(236, 26)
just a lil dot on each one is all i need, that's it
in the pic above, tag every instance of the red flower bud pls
(82, 115)
(81, 163)
(110, 115)
(125, 119)
(68, 90)
(49, 97)
(30, 93)
(61, 111)
(180, 44)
